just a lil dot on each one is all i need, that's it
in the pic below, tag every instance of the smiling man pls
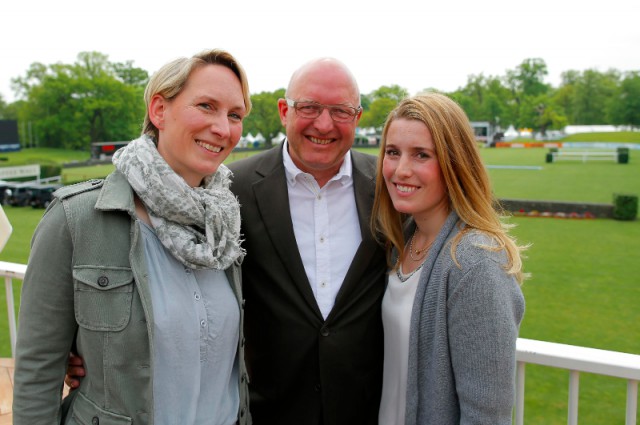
(313, 277)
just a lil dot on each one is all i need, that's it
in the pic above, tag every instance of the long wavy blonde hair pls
(466, 180)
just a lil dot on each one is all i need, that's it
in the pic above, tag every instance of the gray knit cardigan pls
(464, 326)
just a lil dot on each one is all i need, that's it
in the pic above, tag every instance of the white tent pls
(510, 134)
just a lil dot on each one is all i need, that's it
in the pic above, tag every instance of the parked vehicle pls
(17, 194)
(41, 196)
(3, 187)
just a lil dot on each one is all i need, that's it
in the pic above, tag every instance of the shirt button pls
(319, 197)
(187, 271)
(323, 284)
(103, 281)
(196, 296)
(321, 239)
(95, 421)
(203, 323)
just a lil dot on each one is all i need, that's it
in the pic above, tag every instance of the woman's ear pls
(157, 107)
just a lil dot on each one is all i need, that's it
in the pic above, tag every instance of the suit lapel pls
(272, 199)
(363, 185)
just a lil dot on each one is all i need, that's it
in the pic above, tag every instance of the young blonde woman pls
(453, 304)
(139, 273)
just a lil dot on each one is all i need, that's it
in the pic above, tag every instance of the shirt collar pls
(344, 174)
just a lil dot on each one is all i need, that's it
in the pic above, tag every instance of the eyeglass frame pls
(294, 103)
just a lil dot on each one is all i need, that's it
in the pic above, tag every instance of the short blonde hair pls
(169, 80)
(466, 180)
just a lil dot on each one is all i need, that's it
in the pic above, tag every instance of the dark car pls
(17, 194)
(3, 187)
(41, 196)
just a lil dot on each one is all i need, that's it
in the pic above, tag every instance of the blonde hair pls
(169, 80)
(466, 180)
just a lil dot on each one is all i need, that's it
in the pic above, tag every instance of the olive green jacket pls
(86, 289)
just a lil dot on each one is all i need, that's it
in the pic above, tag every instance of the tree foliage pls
(3, 107)
(377, 113)
(71, 105)
(377, 104)
(625, 104)
(264, 117)
(522, 98)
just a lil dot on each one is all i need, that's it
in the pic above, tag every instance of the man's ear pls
(157, 108)
(282, 109)
(358, 117)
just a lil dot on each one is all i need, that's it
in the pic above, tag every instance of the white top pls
(397, 304)
(196, 320)
(326, 227)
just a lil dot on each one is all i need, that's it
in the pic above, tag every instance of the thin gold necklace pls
(419, 252)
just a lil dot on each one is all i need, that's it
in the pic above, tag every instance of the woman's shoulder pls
(78, 188)
(475, 246)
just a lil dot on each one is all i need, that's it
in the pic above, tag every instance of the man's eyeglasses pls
(311, 110)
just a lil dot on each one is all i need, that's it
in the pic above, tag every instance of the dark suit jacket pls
(305, 370)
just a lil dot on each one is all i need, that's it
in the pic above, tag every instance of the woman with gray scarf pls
(139, 274)
(453, 305)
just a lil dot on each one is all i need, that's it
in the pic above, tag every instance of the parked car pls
(41, 196)
(3, 187)
(17, 194)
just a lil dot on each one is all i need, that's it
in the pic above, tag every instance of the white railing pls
(574, 359)
(10, 271)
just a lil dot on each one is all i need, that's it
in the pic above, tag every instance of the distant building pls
(9, 139)
(105, 150)
(484, 131)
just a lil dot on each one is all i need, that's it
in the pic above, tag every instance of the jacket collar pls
(116, 194)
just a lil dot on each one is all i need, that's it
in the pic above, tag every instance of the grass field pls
(585, 285)
(41, 156)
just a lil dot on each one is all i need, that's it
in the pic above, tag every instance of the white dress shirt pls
(326, 227)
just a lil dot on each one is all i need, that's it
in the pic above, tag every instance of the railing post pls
(519, 413)
(632, 401)
(11, 311)
(574, 391)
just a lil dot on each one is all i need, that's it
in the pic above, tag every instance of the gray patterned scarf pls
(200, 226)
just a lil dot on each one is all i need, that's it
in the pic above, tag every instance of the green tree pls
(625, 104)
(593, 92)
(547, 115)
(72, 105)
(3, 107)
(130, 75)
(564, 94)
(525, 83)
(264, 117)
(484, 99)
(528, 78)
(378, 104)
(11, 110)
(394, 92)
(377, 113)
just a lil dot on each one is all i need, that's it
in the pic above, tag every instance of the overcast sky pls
(416, 45)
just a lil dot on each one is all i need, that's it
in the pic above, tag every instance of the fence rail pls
(576, 360)
(570, 357)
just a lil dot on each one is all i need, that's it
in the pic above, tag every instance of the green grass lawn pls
(583, 291)
(41, 156)
(585, 285)
(614, 137)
